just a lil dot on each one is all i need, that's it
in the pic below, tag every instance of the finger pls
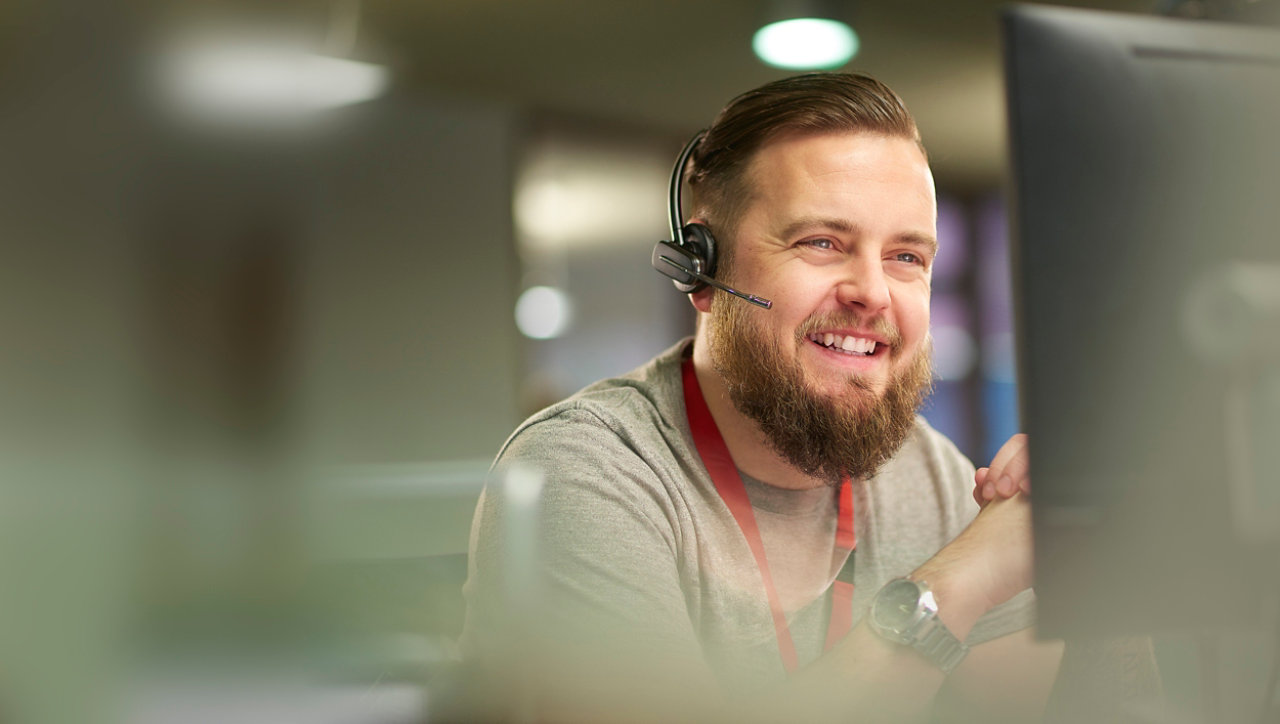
(981, 496)
(1009, 450)
(979, 480)
(1005, 469)
(1016, 475)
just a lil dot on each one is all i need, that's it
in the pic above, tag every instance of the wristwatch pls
(905, 612)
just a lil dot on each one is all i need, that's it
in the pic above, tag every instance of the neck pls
(747, 443)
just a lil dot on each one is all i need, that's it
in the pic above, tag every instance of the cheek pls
(913, 316)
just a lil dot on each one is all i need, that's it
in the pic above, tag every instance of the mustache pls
(849, 318)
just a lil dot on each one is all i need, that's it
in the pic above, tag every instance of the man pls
(715, 527)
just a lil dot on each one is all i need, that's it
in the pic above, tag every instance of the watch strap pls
(939, 645)
(927, 634)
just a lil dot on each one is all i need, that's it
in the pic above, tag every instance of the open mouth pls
(850, 345)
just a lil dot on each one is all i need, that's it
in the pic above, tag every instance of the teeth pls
(852, 345)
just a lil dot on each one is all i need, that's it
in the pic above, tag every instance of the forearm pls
(885, 681)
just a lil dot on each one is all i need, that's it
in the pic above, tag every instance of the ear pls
(701, 299)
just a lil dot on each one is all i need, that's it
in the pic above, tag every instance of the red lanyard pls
(715, 456)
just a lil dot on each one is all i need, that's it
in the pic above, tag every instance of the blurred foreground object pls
(1145, 160)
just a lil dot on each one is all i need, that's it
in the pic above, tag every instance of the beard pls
(823, 436)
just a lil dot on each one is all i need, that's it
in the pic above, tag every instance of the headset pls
(690, 258)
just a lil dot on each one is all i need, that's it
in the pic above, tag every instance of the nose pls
(863, 286)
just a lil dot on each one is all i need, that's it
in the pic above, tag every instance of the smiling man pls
(757, 524)
(842, 233)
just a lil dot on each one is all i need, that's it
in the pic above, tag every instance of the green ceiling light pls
(802, 37)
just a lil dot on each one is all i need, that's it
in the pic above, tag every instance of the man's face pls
(840, 235)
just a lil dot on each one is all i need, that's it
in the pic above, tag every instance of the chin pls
(851, 386)
(851, 395)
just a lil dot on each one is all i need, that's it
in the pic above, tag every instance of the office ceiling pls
(670, 64)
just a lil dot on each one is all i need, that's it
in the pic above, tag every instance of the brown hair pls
(811, 103)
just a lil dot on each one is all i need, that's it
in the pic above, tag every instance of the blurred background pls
(281, 277)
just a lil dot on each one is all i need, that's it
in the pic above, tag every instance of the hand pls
(986, 565)
(1008, 473)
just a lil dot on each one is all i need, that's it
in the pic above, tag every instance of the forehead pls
(846, 172)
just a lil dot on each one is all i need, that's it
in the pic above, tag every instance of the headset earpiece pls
(699, 240)
(696, 251)
(667, 255)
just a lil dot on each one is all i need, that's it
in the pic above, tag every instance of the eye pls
(908, 257)
(821, 243)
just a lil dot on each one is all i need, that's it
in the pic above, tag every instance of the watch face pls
(896, 605)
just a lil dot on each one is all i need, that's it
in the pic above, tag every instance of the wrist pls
(960, 602)
(905, 612)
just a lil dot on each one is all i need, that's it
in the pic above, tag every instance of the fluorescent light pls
(239, 80)
(333, 82)
(543, 312)
(806, 44)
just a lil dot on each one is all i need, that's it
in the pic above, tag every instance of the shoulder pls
(633, 412)
(619, 448)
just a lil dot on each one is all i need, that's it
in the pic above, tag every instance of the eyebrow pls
(924, 240)
(840, 225)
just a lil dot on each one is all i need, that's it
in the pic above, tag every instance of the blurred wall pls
(409, 351)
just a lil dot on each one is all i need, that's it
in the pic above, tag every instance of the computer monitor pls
(1145, 216)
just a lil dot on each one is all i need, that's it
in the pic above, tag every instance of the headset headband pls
(674, 208)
